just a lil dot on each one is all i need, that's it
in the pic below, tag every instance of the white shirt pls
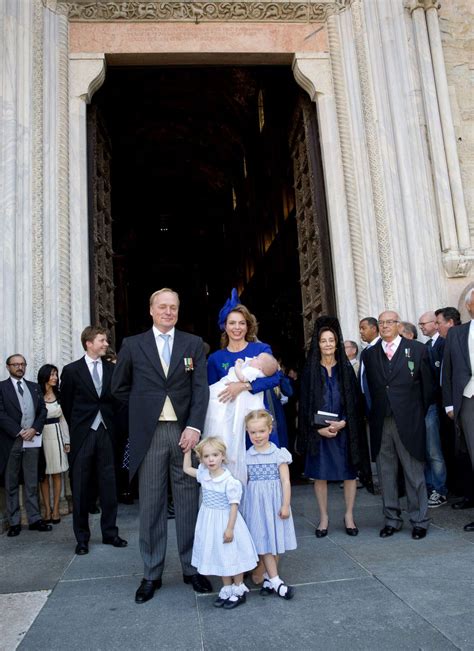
(160, 342)
(469, 388)
(15, 384)
(90, 365)
(395, 344)
(434, 338)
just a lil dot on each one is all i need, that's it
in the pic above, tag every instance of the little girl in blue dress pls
(267, 501)
(222, 542)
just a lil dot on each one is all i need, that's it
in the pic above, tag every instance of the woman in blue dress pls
(335, 450)
(239, 340)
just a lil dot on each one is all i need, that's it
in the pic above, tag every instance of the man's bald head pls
(427, 324)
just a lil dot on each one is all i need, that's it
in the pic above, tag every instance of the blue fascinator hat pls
(229, 305)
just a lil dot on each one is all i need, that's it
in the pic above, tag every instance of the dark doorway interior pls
(202, 196)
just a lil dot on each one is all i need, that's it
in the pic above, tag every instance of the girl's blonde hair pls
(258, 414)
(214, 442)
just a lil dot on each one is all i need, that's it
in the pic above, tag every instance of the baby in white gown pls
(227, 419)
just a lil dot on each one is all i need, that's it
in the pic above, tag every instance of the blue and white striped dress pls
(211, 555)
(263, 499)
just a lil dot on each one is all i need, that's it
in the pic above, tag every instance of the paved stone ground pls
(357, 593)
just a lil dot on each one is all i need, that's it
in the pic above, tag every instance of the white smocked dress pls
(263, 500)
(211, 555)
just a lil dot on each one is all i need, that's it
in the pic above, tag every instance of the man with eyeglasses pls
(435, 469)
(401, 386)
(22, 417)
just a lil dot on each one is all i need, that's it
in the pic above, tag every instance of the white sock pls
(276, 583)
(226, 592)
(266, 581)
(238, 591)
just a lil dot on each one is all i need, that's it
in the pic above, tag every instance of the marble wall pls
(390, 120)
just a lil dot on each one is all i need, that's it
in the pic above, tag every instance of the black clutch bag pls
(321, 417)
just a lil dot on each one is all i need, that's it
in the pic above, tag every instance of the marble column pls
(86, 75)
(458, 255)
(313, 73)
(449, 135)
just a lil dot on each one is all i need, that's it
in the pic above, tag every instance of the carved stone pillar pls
(313, 73)
(458, 255)
(86, 75)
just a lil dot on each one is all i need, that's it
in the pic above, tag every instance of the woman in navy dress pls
(338, 450)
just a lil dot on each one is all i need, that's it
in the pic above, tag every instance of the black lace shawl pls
(312, 397)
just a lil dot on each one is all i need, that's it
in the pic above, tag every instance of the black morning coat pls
(139, 379)
(10, 416)
(80, 401)
(457, 369)
(403, 388)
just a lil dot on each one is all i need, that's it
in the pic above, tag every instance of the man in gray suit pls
(22, 417)
(458, 379)
(161, 374)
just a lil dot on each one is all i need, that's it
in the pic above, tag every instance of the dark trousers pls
(94, 460)
(391, 451)
(164, 459)
(26, 460)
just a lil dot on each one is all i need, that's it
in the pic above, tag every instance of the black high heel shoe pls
(351, 531)
(321, 533)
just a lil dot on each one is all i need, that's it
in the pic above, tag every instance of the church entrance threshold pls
(203, 179)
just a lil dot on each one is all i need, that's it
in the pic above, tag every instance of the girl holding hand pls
(222, 542)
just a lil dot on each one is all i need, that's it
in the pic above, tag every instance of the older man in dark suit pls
(22, 417)
(88, 406)
(162, 376)
(401, 387)
(458, 379)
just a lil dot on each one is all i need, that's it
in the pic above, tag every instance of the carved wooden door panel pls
(100, 224)
(317, 288)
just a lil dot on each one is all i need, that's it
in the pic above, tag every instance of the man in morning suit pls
(401, 386)
(458, 379)
(162, 375)
(88, 406)
(22, 417)
(435, 469)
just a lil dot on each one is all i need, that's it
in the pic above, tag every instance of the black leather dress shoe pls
(469, 527)
(199, 582)
(388, 531)
(39, 525)
(146, 590)
(418, 533)
(465, 503)
(82, 548)
(14, 530)
(115, 542)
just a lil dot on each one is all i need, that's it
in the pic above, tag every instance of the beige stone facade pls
(456, 18)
